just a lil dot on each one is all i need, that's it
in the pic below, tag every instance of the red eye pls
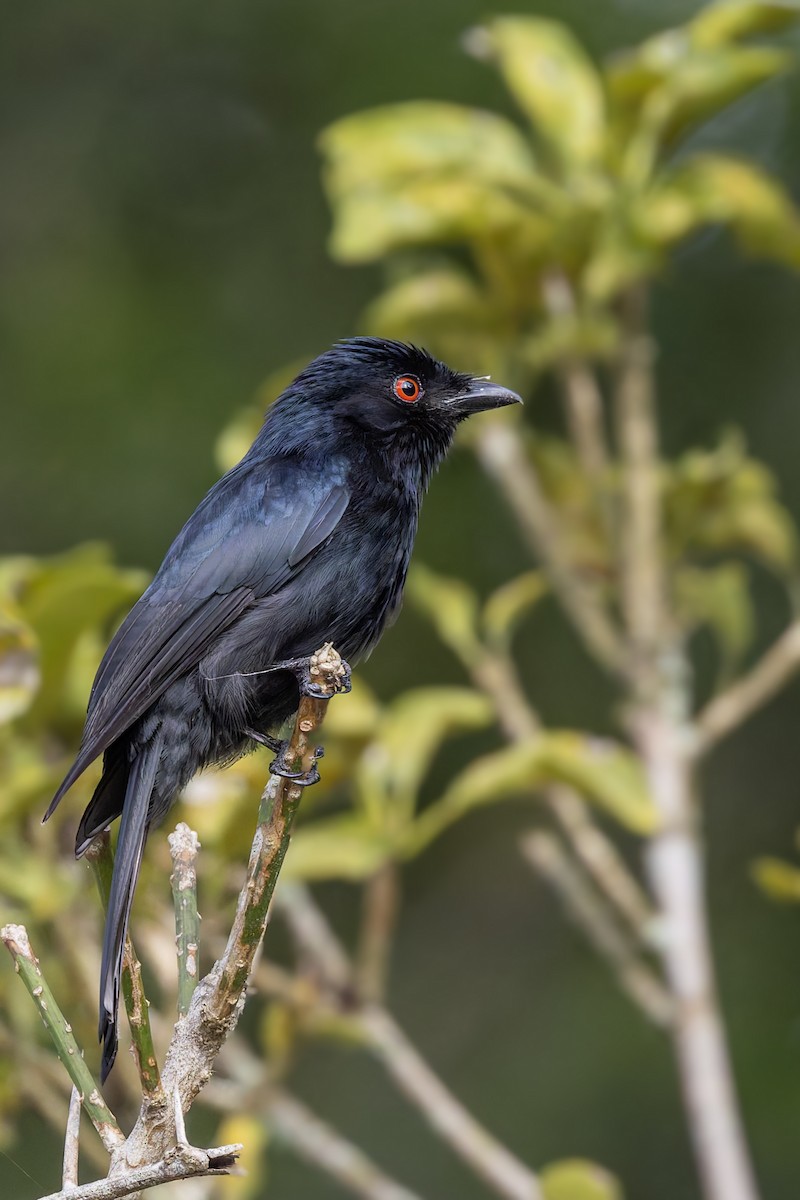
(407, 388)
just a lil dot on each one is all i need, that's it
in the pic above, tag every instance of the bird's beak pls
(483, 394)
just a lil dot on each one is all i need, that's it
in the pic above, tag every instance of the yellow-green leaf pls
(341, 847)
(554, 82)
(251, 1132)
(424, 172)
(735, 19)
(433, 299)
(720, 598)
(450, 605)
(507, 606)
(715, 189)
(19, 665)
(578, 1179)
(601, 770)
(777, 879)
(579, 335)
(393, 765)
(604, 772)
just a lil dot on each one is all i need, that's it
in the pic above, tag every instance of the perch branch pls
(773, 671)
(27, 966)
(183, 847)
(182, 1162)
(101, 860)
(219, 997)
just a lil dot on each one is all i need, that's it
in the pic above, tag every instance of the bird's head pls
(386, 387)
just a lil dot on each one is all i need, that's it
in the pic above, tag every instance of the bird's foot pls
(279, 766)
(311, 674)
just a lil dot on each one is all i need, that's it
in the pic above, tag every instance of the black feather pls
(307, 540)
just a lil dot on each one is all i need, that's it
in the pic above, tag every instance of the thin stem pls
(323, 1147)
(137, 1007)
(502, 455)
(381, 902)
(183, 847)
(219, 998)
(72, 1142)
(643, 581)
(182, 1162)
(27, 966)
(584, 402)
(773, 671)
(585, 906)
(489, 1158)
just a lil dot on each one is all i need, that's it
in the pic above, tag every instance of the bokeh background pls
(163, 248)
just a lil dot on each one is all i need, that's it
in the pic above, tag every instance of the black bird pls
(307, 540)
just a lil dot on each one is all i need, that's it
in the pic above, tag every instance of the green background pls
(162, 241)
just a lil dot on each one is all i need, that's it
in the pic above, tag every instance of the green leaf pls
(441, 297)
(720, 501)
(393, 765)
(555, 83)
(75, 592)
(602, 771)
(605, 773)
(577, 1179)
(591, 335)
(715, 189)
(735, 19)
(421, 172)
(450, 605)
(19, 665)
(777, 879)
(341, 847)
(720, 598)
(509, 604)
(358, 718)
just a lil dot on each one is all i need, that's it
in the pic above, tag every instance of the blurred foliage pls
(482, 227)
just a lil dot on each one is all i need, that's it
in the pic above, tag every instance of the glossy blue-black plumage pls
(306, 540)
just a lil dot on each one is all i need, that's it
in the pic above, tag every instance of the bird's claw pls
(308, 671)
(279, 766)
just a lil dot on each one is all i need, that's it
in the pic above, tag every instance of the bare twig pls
(584, 402)
(220, 996)
(323, 1147)
(101, 860)
(637, 432)
(489, 1159)
(27, 966)
(72, 1142)
(773, 671)
(182, 1162)
(183, 846)
(585, 906)
(379, 914)
(496, 675)
(501, 453)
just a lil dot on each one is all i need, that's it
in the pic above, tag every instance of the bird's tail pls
(130, 847)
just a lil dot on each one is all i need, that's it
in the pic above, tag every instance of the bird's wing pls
(246, 540)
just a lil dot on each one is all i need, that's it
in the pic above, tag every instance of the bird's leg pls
(304, 670)
(264, 739)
